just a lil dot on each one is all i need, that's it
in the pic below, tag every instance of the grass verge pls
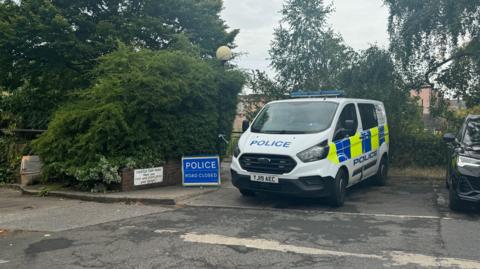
(421, 172)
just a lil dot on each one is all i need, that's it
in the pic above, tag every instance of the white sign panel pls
(148, 176)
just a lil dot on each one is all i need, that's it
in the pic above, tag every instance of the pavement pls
(170, 195)
(406, 224)
(50, 214)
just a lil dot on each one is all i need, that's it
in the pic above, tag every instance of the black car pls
(463, 172)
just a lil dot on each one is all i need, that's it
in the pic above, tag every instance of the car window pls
(472, 133)
(461, 132)
(368, 115)
(348, 113)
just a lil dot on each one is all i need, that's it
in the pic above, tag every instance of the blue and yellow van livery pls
(333, 143)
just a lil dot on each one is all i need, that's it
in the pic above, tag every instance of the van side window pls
(368, 115)
(349, 113)
(381, 115)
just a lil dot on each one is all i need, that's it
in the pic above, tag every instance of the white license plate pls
(264, 178)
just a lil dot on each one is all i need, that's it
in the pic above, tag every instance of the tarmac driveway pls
(402, 197)
(405, 224)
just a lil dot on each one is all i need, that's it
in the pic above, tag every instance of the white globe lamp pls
(224, 53)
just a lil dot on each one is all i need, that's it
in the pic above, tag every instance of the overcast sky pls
(359, 22)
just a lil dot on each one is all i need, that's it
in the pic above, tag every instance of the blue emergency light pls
(322, 93)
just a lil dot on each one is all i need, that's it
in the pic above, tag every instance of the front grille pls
(268, 164)
(469, 184)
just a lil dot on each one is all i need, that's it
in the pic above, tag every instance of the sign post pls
(201, 171)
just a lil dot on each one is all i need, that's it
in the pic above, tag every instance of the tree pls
(144, 107)
(263, 90)
(305, 52)
(438, 42)
(372, 75)
(48, 48)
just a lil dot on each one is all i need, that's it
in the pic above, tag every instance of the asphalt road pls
(404, 225)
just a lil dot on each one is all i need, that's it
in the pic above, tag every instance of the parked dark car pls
(463, 173)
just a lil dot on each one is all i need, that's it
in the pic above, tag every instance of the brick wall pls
(172, 175)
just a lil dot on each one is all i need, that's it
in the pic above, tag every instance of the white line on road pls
(3, 261)
(378, 215)
(385, 215)
(165, 231)
(395, 258)
(266, 245)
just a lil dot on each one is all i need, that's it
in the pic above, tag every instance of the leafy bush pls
(9, 159)
(421, 149)
(144, 108)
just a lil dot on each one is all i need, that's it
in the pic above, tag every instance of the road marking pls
(401, 258)
(126, 227)
(3, 261)
(385, 215)
(165, 231)
(394, 258)
(264, 244)
(379, 215)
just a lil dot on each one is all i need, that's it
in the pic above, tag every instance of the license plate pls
(264, 178)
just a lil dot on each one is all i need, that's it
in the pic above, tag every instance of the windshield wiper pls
(283, 132)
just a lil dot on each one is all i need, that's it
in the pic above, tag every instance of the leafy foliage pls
(372, 75)
(48, 48)
(145, 107)
(305, 52)
(419, 149)
(264, 90)
(9, 157)
(438, 42)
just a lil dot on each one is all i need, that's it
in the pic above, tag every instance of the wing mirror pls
(245, 125)
(449, 138)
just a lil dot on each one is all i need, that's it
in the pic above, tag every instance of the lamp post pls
(224, 54)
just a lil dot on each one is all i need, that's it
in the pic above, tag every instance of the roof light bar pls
(322, 93)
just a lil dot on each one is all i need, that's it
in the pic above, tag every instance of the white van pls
(312, 147)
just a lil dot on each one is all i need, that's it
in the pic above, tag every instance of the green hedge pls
(420, 149)
(146, 107)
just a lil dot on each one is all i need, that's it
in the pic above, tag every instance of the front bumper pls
(310, 186)
(466, 186)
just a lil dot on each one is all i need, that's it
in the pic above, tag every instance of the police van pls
(313, 145)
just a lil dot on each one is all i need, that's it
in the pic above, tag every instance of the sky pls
(361, 23)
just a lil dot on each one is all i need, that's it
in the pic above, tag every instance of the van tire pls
(337, 198)
(247, 193)
(382, 174)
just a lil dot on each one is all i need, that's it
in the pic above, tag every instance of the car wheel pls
(247, 193)
(337, 198)
(454, 203)
(382, 173)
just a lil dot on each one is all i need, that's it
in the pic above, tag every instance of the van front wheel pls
(337, 198)
(382, 173)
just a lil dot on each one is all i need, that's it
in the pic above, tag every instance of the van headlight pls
(236, 151)
(314, 153)
(463, 161)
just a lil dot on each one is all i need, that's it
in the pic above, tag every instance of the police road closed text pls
(201, 170)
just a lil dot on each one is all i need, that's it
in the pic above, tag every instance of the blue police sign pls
(201, 171)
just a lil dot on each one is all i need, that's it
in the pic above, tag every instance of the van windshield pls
(472, 135)
(295, 117)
